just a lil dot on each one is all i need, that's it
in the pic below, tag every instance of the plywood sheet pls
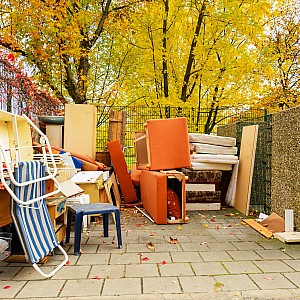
(245, 171)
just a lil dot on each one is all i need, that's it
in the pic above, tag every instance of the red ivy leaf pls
(68, 262)
(213, 220)
(7, 287)
(96, 277)
(163, 262)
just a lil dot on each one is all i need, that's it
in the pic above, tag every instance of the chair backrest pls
(33, 221)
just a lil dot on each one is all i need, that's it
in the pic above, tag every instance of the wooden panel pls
(117, 124)
(5, 217)
(55, 135)
(245, 170)
(80, 129)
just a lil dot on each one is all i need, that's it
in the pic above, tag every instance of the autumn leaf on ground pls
(213, 220)
(150, 246)
(173, 240)
(6, 287)
(153, 234)
(217, 227)
(68, 262)
(179, 227)
(206, 225)
(96, 277)
(163, 262)
(145, 258)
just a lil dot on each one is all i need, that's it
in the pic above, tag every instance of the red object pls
(120, 166)
(11, 57)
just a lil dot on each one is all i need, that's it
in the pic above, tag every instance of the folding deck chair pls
(27, 187)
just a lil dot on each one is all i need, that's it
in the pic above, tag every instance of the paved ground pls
(213, 256)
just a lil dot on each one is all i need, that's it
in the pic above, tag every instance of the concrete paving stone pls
(41, 288)
(7, 273)
(294, 253)
(156, 257)
(122, 286)
(199, 239)
(98, 240)
(197, 284)
(176, 269)
(212, 230)
(57, 259)
(29, 273)
(268, 281)
(161, 285)
(138, 248)
(226, 238)
(111, 248)
(195, 246)
(272, 254)
(215, 256)
(241, 267)
(107, 271)
(168, 247)
(10, 289)
(85, 248)
(93, 259)
(152, 239)
(82, 287)
(141, 270)
(274, 294)
(295, 264)
(246, 245)
(270, 266)
(294, 278)
(130, 239)
(124, 258)
(187, 256)
(273, 244)
(180, 238)
(72, 272)
(216, 246)
(209, 268)
(244, 255)
(237, 282)
(251, 237)
(229, 230)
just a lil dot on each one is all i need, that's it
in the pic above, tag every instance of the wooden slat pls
(258, 227)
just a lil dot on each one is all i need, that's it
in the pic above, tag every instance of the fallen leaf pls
(68, 262)
(163, 262)
(217, 227)
(213, 220)
(173, 240)
(96, 277)
(203, 243)
(153, 234)
(6, 287)
(179, 227)
(206, 226)
(145, 258)
(1, 271)
(150, 246)
(139, 254)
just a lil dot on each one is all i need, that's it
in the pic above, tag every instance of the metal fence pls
(198, 121)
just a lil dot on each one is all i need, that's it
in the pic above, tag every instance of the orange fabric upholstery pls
(135, 176)
(120, 166)
(168, 143)
(153, 187)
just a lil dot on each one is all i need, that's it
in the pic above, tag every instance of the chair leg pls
(118, 227)
(105, 224)
(69, 222)
(78, 229)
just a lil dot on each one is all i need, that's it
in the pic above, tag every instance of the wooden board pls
(288, 237)
(117, 124)
(80, 127)
(258, 227)
(245, 171)
(5, 217)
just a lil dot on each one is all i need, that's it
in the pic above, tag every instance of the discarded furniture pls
(120, 167)
(25, 181)
(81, 210)
(164, 145)
(154, 193)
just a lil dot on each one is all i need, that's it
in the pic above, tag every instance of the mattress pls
(212, 149)
(206, 176)
(211, 166)
(214, 158)
(203, 196)
(212, 139)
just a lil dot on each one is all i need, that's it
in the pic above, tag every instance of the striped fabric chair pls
(32, 221)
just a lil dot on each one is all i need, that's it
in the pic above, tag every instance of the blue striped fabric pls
(33, 221)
